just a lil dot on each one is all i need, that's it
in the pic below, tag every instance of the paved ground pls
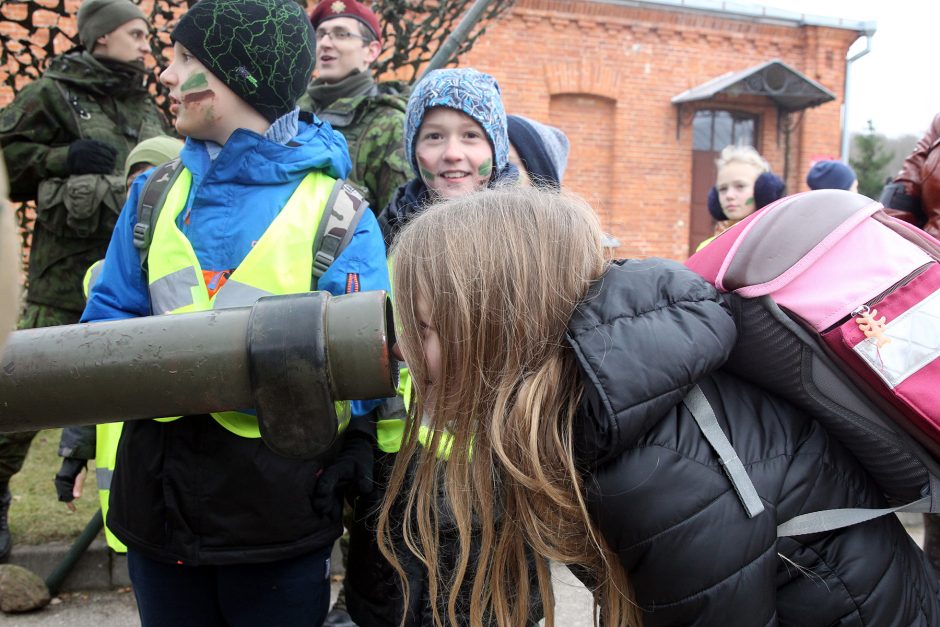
(118, 609)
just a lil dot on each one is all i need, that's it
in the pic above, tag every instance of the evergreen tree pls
(869, 161)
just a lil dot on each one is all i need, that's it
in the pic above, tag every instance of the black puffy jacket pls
(646, 333)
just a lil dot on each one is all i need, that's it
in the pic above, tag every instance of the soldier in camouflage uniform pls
(370, 115)
(65, 138)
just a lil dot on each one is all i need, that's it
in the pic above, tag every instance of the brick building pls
(649, 91)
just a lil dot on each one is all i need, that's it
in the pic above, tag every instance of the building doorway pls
(712, 130)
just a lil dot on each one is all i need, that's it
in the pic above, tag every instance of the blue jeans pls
(290, 592)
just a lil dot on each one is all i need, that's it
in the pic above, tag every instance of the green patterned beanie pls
(263, 50)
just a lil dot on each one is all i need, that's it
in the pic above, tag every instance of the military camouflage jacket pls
(373, 125)
(78, 97)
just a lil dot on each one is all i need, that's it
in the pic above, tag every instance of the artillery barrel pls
(287, 357)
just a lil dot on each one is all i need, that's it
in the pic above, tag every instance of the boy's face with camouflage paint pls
(453, 153)
(202, 104)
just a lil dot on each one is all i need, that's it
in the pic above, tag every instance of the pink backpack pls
(838, 311)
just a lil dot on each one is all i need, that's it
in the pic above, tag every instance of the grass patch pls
(36, 515)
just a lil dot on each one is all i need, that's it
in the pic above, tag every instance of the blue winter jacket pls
(250, 172)
(188, 491)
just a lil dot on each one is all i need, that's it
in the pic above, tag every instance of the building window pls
(712, 130)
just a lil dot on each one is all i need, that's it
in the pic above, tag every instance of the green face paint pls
(425, 171)
(749, 202)
(486, 168)
(195, 81)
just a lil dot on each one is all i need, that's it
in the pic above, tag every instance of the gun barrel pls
(288, 358)
(120, 370)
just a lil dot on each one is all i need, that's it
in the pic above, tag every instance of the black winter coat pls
(649, 330)
(191, 492)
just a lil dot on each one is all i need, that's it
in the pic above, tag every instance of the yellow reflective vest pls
(107, 437)
(280, 263)
(391, 431)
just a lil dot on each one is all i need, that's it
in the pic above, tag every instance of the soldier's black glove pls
(90, 156)
(65, 479)
(352, 467)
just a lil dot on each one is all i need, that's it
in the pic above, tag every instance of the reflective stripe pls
(103, 476)
(444, 445)
(173, 291)
(91, 276)
(915, 342)
(389, 434)
(237, 294)
(107, 437)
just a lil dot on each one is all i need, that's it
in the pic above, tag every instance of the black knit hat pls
(263, 50)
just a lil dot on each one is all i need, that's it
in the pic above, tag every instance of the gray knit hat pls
(154, 151)
(100, 17)
(542, 148)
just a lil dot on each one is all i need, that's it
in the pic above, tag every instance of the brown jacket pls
(919, 182)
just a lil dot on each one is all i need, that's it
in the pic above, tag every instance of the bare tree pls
(414, 30)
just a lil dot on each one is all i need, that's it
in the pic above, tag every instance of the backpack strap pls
(342, 213)
(812, 522)
(830, 519)
(706, 420)
(150, 203)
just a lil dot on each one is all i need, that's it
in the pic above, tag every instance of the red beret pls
(328, 9)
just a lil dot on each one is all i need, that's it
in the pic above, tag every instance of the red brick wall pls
(591, 118)
(605, 74)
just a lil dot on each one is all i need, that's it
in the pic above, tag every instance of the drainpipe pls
(844, 150)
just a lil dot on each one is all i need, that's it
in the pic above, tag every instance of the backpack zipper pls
(866, 306)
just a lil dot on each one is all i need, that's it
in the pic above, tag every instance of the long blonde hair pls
(501, 272)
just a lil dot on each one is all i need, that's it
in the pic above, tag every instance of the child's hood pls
(248, 157)
(645, 332)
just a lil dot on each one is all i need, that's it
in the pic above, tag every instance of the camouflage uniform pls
(78, 97)
(372, 120)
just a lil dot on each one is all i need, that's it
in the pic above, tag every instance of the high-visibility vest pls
(390, 432)
(106, 439)
(106, 445)
(280, 263)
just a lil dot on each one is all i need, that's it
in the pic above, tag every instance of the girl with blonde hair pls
(548, 419)
(743, 184)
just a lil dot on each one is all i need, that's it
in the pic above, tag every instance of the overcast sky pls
(897, 84)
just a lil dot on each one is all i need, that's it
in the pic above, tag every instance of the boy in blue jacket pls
(219, 529)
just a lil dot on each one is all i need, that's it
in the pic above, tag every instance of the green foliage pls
(36, 515)
(870, 160)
